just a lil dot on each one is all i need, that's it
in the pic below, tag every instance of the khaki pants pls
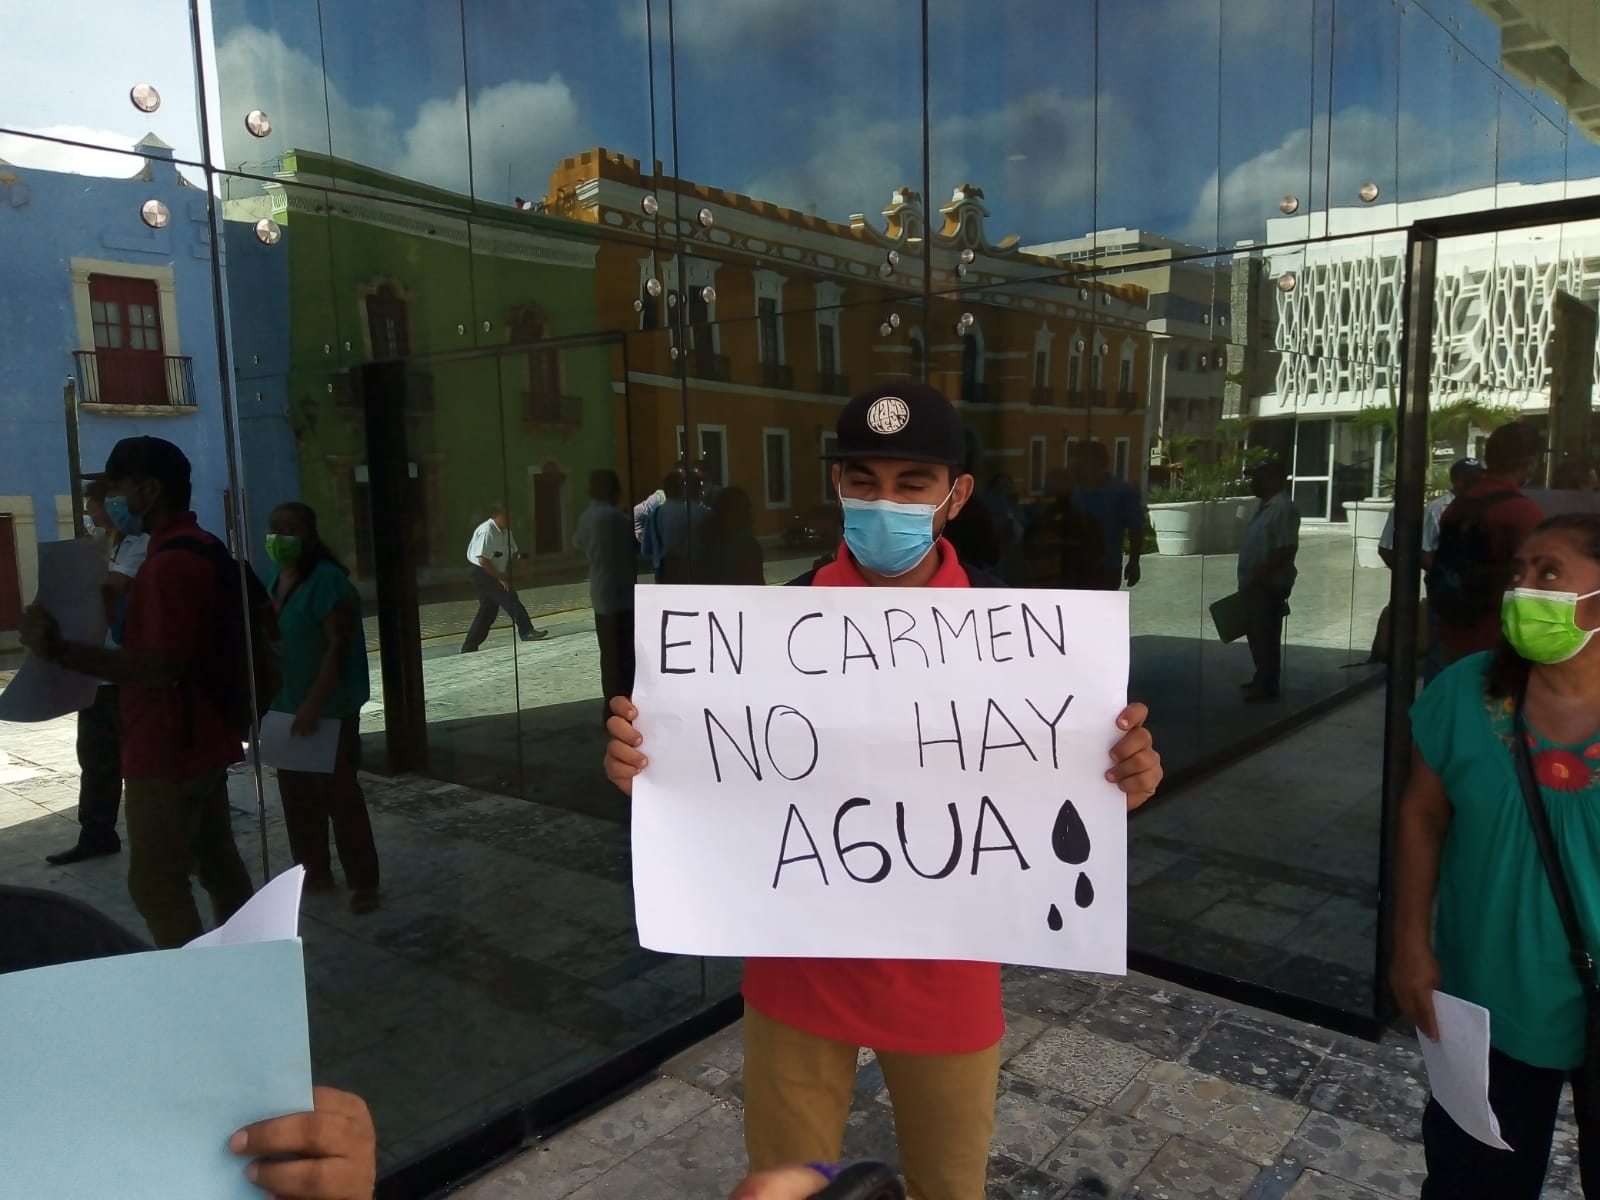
(178, 828)
(797, 1093)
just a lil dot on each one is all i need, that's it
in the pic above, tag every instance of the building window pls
(1125, 376)
(130, 362)
(1036, 447)
(970, 392)
(388, 327)
(775, 446)
(1124, 449)
(827, 352)
(767, 330)
(714, 453)
(919, 356)
(1180, 360)
(829, 442)
(1070, 452)
(541, 399)
(1041, 368)
(1097, 365)
(650, 314)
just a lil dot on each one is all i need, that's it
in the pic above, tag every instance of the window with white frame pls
(1036, 465)
(769, 318)
(1097, 365)
(713, 441)
(775, 459)
(1070, 450)
(827, 352)
(1075, 366)
(1122, 456)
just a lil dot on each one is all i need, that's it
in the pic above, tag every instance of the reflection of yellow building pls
(761, 321)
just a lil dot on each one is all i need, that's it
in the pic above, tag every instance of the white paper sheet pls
(271, 915)
(285, 752)
(1458, 1067)
(70, 577)
(863, 837)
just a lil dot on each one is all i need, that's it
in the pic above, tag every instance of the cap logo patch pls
(888, 415)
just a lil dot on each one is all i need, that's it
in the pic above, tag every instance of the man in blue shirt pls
(1267, 574)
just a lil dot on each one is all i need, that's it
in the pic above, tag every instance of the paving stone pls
(550, 1171)
(1053, 996)
(1162, 1023)
(1252, 1124)
(642, 1117)
(1379, 1095)
(703, 1156)
(1189, 1170)
(1107, 1151)
(1313, 1185)
(1252, 1056)
(1350, 1151)
(1079, 1064)
(1031, 1121)
(1010, 1179)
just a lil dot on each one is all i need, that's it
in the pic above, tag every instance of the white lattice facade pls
(1337, 332)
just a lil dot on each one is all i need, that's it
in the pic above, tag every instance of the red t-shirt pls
(173, 606)
(893, 1005)
(1507, 523)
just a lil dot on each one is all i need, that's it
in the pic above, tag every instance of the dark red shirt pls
(173, 606)
(893, 1005)
(1507, 522)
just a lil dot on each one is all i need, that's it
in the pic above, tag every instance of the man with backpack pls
(184, 669)
(1478, 536)
(935, 1026)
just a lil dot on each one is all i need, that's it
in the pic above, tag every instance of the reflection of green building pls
(471, 296)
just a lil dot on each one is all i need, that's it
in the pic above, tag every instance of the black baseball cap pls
(147, 458)
(906, 421)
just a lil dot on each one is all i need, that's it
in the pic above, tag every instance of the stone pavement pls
(1110, 1088)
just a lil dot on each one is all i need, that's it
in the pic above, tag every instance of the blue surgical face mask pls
(123, 520)
(886, 537)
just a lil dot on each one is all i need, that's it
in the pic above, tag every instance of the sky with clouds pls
(1185, 117)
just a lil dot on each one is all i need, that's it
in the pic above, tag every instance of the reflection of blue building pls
(124, 309)
(257, 278)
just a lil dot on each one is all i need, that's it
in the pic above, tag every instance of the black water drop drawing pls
(1070, 837)
(1070, 842)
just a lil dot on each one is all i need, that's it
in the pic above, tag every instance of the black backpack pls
(1465, 584)
(243, 646)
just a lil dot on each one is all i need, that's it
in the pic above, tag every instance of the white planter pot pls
(1200, 526)
(1367, 519)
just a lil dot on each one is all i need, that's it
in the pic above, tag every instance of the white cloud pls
(74, 152)
(1033, 155)
(711, 27)
(520, 129)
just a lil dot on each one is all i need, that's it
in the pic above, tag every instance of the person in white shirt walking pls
(100, 725)
(606, 534)
(490, 554)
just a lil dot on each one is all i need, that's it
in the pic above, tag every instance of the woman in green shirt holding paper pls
(324, 679)
(1466, 837)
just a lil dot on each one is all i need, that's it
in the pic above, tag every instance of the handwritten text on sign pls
(881, 772)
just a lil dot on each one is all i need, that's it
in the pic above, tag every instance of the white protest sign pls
(909, 773)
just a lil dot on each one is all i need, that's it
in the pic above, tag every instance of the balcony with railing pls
(831, 383)
(1042, 396)
(776, 375)
(1127, 401)
(135, 379)
(703, 364)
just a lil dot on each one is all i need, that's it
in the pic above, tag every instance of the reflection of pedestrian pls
(176, 675)
(489, 557)
(730, 552)
(605, 534)
(100, 725)
(324, 661)
(1266, 576)
(670, 524)
(1115, 505)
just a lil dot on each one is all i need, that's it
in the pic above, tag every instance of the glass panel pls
(79, 112)
(1364, 123)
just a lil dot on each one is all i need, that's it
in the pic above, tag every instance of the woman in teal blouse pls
(1465, 839)
(324, 679)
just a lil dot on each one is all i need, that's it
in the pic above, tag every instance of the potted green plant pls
(1205, 505)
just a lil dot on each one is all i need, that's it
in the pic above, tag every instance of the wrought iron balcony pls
(777, 375)
(135, 379)
(831, 383)
(1128, 401)
(1043, 397)
(551, 408)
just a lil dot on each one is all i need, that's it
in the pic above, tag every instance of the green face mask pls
(1543, 626)
(283, 548)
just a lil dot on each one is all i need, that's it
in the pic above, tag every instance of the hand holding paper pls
(1458, 1067)
(70, 576)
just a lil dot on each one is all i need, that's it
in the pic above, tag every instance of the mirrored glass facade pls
(602, 275)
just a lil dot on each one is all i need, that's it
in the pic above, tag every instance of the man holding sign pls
(995, 720)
